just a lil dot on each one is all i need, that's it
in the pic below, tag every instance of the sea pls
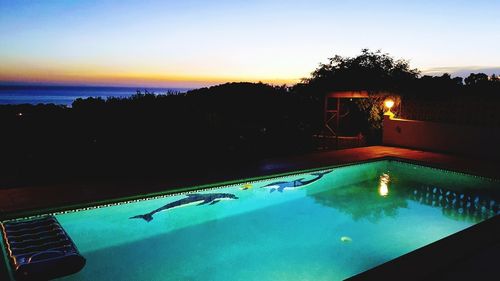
(65, 95)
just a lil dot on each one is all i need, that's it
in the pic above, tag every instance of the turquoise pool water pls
(315, 226)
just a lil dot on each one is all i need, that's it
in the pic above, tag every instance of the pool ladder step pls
(40, 249)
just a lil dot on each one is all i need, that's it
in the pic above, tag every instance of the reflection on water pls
(383, 188)
(364, 201)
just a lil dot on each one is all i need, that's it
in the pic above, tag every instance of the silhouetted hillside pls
(153, 135)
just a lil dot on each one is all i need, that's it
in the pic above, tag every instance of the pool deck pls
(25, 199)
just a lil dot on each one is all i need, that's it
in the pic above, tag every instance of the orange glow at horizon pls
(203, 43)
(93, 77)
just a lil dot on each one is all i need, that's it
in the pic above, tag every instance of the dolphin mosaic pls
(294, 184)
(191, 199)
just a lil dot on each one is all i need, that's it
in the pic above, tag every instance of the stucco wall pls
(463, 140)
(481, 110)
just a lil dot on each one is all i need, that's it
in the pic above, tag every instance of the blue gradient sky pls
(194, 43)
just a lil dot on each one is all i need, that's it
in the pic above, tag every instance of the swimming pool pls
(328, 224)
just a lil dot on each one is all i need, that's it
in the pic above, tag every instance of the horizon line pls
(160, 83)
(145, 84)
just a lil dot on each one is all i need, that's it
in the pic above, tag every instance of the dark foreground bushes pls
(151, 135)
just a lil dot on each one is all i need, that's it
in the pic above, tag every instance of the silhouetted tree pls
(372, 71)
(476, 79)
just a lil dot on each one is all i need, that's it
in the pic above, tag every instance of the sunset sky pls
(195, 43)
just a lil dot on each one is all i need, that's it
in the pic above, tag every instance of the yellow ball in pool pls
(346, 239)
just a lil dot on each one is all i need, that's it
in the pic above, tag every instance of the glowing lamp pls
(389, 103)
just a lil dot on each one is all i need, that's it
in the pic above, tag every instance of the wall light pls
(389, 103)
